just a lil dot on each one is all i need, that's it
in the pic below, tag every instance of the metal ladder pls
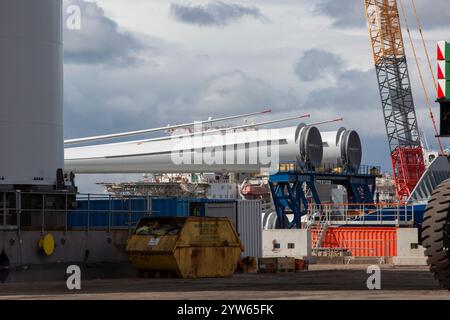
(322, 224)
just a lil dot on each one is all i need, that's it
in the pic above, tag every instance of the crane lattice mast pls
(396, 95)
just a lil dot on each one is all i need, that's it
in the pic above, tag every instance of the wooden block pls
(276, 264)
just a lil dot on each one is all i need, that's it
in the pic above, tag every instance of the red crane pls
(396, 96)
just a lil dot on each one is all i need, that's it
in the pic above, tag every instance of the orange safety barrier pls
(361, 242)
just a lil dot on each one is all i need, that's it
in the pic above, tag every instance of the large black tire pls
(435, 235)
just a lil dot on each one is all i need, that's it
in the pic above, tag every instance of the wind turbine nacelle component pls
(310, 145)
(342, 148)
(31, 91)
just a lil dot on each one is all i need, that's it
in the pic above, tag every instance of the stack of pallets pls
(276, 265)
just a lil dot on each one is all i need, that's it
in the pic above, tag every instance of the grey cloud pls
(355, 90)
(235, 91)
(434, 14)
(352, 88)
(355, 97)
(353, 94)
(99, 40)
(106, 99)
(213, 14)
(317, 64)
(97, 102)
(351, 13)
(347, 13)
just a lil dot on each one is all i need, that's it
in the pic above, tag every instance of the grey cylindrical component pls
(310, 143)
(272, 222)
(161, 155)
(31, 91)
(268, 220)
(342, 148)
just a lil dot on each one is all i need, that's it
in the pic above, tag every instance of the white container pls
(31, 91)
(294, 243)
(221, 210)
(222, 191)
(245, 216)
(249, 227)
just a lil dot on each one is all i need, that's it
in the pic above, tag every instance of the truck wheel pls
(435, 233)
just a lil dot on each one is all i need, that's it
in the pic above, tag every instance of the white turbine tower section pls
(31, 91)
(342, 148)
(216, 151)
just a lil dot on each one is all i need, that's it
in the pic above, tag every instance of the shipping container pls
(249, 227)
(205, 207)
(361, 241)
(170, 207)
(101, 213)
(126, 213)
(221, 210)
(122, 213)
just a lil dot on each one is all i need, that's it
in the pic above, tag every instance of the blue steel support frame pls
(287, 195)
(288, 192)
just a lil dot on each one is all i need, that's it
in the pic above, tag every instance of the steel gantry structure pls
(396, 95)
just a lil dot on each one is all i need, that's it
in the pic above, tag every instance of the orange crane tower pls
(396, 96)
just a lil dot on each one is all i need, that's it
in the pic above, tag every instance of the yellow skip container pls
(192, 247)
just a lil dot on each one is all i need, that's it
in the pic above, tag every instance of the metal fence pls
(66, 211)
(371, 247)
(362, 214)
(330, 168)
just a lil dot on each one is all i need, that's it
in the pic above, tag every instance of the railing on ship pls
(88, 212)
(329, 168)
(321, 217)
(382, 248)
(397, 214)
(123, 212)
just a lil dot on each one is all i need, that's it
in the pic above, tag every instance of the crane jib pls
(396, 96)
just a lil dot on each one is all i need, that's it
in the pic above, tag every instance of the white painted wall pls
(299, 237)
(408, 251)
(222, 191)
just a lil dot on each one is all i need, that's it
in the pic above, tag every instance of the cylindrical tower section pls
(241, 151)
(31, 91)
(309, 141)
(342, 148)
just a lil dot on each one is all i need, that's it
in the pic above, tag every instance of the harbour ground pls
(320, 282)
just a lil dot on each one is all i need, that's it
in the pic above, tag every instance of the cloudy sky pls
(142, 63)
